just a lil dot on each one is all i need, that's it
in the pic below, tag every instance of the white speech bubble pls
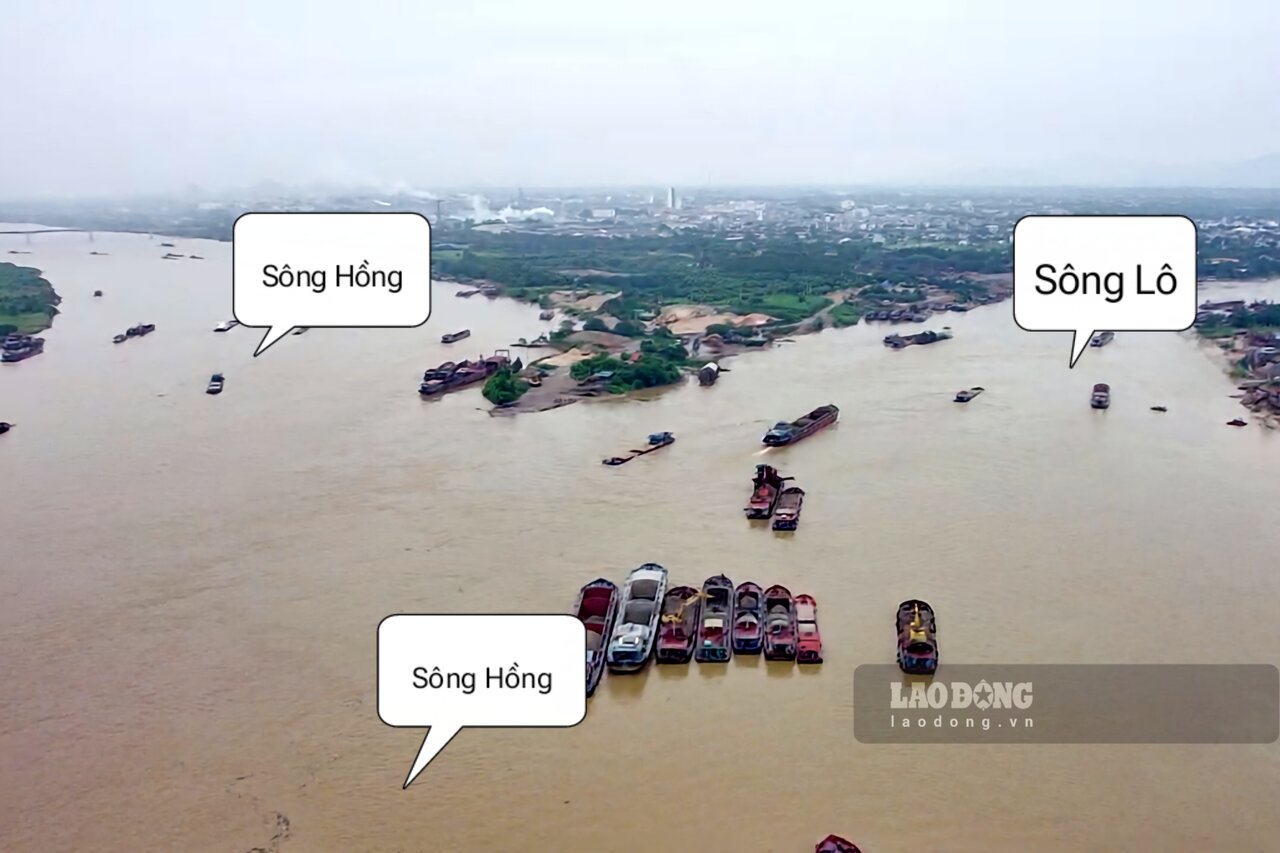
(330, 269)
(451, 672)
(1086, 274)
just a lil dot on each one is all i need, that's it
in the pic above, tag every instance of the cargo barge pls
(453, 375)
(783, 434)
(901, 341)
(20, 347)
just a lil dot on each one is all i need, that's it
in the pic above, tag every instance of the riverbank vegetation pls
(28, 302)
(784, 277)
(505, 386)
(659, 361)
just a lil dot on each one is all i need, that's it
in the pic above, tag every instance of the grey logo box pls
(1068, 703)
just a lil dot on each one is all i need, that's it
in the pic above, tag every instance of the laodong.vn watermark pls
(1068, 703)
(959, 704)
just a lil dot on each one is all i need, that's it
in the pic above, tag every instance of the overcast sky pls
(132, 96)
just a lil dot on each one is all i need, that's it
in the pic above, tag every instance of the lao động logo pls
(960, 696)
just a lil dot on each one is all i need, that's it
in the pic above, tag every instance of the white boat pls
(636, 628)
(226, 325)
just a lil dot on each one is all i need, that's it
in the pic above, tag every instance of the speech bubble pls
(337, 270)
(1085, 274)
(451, 672)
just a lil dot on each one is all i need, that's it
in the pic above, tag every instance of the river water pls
(191, 584)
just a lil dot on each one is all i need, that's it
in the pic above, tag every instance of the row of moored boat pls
(674, 625)
(648, 618)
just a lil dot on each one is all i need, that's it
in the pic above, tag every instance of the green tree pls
(504, 388)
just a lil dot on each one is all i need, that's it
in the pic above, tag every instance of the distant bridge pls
(50, 231)
(33, 231)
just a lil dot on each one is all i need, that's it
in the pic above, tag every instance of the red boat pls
(678, 628)
(748, 622)
(836, 844)
(717, 619)
(779, 624)
(596, 606)
(765, 489)
(807, 628)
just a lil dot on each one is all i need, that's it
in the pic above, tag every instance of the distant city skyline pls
(136, 97)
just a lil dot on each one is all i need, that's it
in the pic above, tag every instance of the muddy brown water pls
(191, 584)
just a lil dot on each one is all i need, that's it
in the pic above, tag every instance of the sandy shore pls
(694, 319)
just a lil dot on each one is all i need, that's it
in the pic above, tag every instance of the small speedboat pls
(454, 337)
(969, 393)
(1159, 409)
(302, 330)
(97, 293)
(119, 339)
(836, 844)
(1237, 422)
(226, 325)
(215, 384)
(5, 426)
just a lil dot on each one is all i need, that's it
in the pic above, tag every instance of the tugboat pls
(969, 393)
(787, 515)
(917, 638)
(1102, 339)
(748, 621)
(1101, 397)
(783, 434)
(215, 384)
(714, 644)
(766, 488)
(678, 630)
(20, 347)
(454, 337)
(657, 441)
